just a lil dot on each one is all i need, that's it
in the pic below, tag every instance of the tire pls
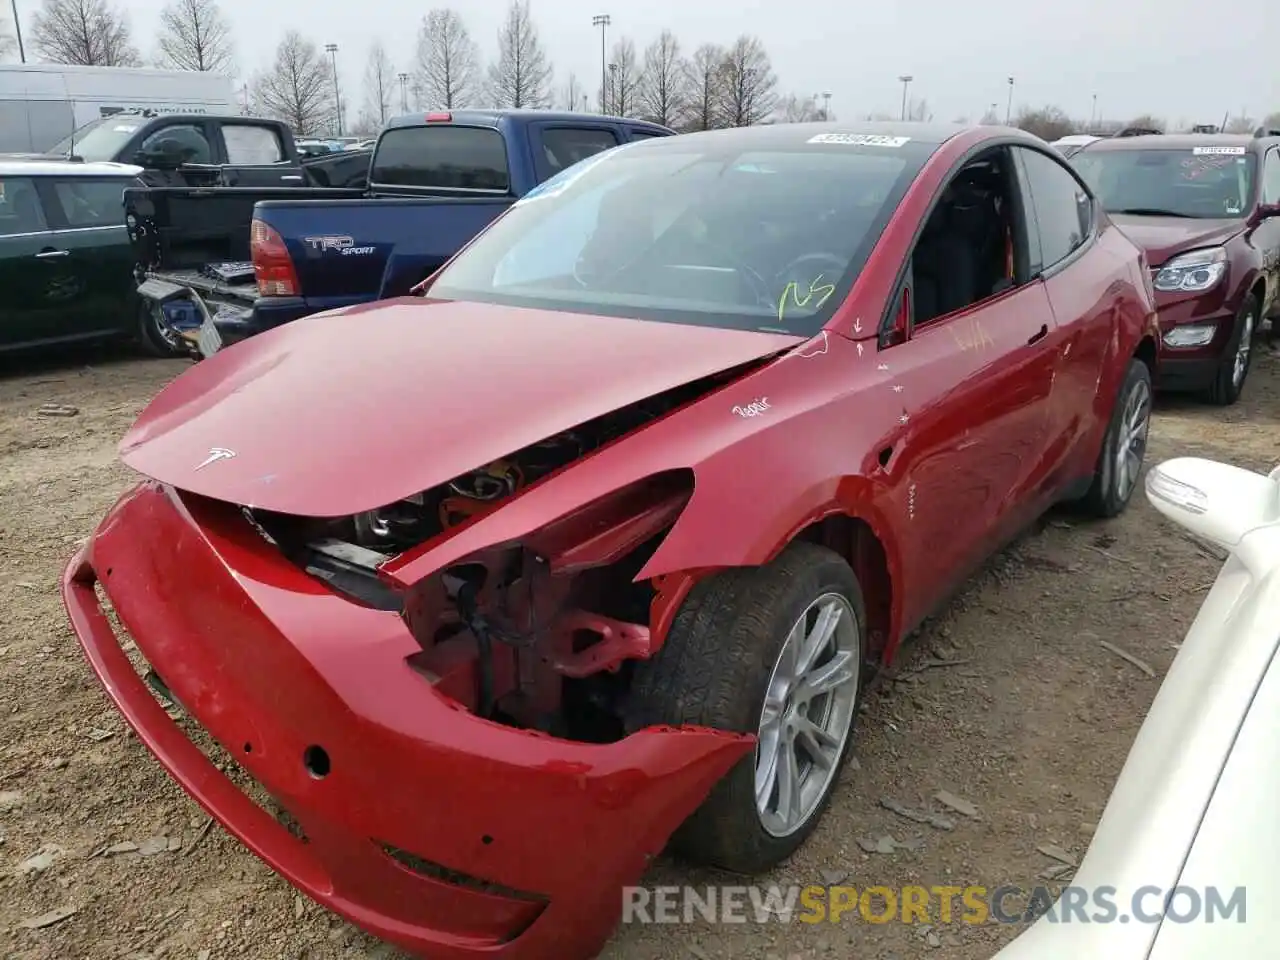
(1237, 359)
(1113, 487)
(155, 337)
(715, 669)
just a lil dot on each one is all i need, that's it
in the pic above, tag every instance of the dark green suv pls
(66, 265)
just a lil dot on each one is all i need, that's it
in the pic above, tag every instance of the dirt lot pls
(1030, 722)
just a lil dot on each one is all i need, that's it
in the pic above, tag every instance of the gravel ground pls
(1030, 722)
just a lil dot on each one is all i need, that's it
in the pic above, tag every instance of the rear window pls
(442, 157)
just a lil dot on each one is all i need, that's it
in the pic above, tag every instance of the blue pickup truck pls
(217, 265)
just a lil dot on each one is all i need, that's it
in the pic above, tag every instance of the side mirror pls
(899, 327)
(1215, 501)
(1268, 210)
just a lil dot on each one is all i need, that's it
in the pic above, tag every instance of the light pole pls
(602, 20)
(826, 106)
(332, 50)
(17, 29)
(905, 80)
(1093, 113)
(1008, 110)
(404, 92)
(613, 89)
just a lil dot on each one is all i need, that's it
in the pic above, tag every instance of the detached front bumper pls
(448, 835)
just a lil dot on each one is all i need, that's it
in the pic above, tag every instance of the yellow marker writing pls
(816, 288)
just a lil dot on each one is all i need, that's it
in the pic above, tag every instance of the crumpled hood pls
(350, 411)
(1165, 237)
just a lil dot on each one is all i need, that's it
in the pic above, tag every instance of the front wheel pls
(775, 651)
(1236, 361)
(1124, 447)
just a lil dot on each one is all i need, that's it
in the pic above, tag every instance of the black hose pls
(484, 645)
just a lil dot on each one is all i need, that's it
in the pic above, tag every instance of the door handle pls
(1039, 334)
(291, 177)
(50, 254)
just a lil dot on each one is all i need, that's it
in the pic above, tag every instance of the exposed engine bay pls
(538, 634)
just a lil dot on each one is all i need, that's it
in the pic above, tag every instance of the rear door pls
(1089, 279)
(557, 145)
(88, 235)
(25, 280)
(256, 156)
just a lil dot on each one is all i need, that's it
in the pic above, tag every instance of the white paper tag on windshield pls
(1218, 151)
(860, 139)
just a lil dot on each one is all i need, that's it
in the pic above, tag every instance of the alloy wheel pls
(1242, 351)
(1131, 444)
(808, 711)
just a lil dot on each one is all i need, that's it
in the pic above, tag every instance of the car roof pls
(66, 168)
(775, 135)
(493, 117)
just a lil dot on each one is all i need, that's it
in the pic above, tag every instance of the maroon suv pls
(1206, 208)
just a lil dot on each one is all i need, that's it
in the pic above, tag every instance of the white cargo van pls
(42, 103)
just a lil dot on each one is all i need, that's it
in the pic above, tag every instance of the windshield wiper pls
(1153, 212)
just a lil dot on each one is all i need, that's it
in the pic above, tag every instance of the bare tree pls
(1048, 123)
(663, 94)
(447, 71)
(85, 32)
(573, 93)
(195, 35)
(8, 41)
(521, 76)
(990, 118)
(918, 110)
(1271, 121)
(1147, 122)
(794, 109)
(749, 83)
(297, 88)
(1240, 124)
(379, 88)
(624, 77)
(707, 83)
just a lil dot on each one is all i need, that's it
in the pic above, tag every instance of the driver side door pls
(973, 385)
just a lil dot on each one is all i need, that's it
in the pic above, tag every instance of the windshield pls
(693, 232)
(1198, 182)
(98, 139)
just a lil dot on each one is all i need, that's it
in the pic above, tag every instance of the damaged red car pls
(493, 594)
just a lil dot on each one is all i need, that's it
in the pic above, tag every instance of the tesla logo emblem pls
(216, 454)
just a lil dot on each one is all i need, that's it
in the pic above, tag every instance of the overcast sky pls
(1180, 59)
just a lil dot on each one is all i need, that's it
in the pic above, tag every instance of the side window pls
(565, 146)
(1063, 210)
(91, 203)
(1271, 177)
(187, 139)
(644, 134)
(251, 145)
(972, 244)
(20, 210)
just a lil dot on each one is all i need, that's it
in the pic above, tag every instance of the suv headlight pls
(1193, 272)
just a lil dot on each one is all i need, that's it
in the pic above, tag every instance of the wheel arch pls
(853, 530)
(1147, 352)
